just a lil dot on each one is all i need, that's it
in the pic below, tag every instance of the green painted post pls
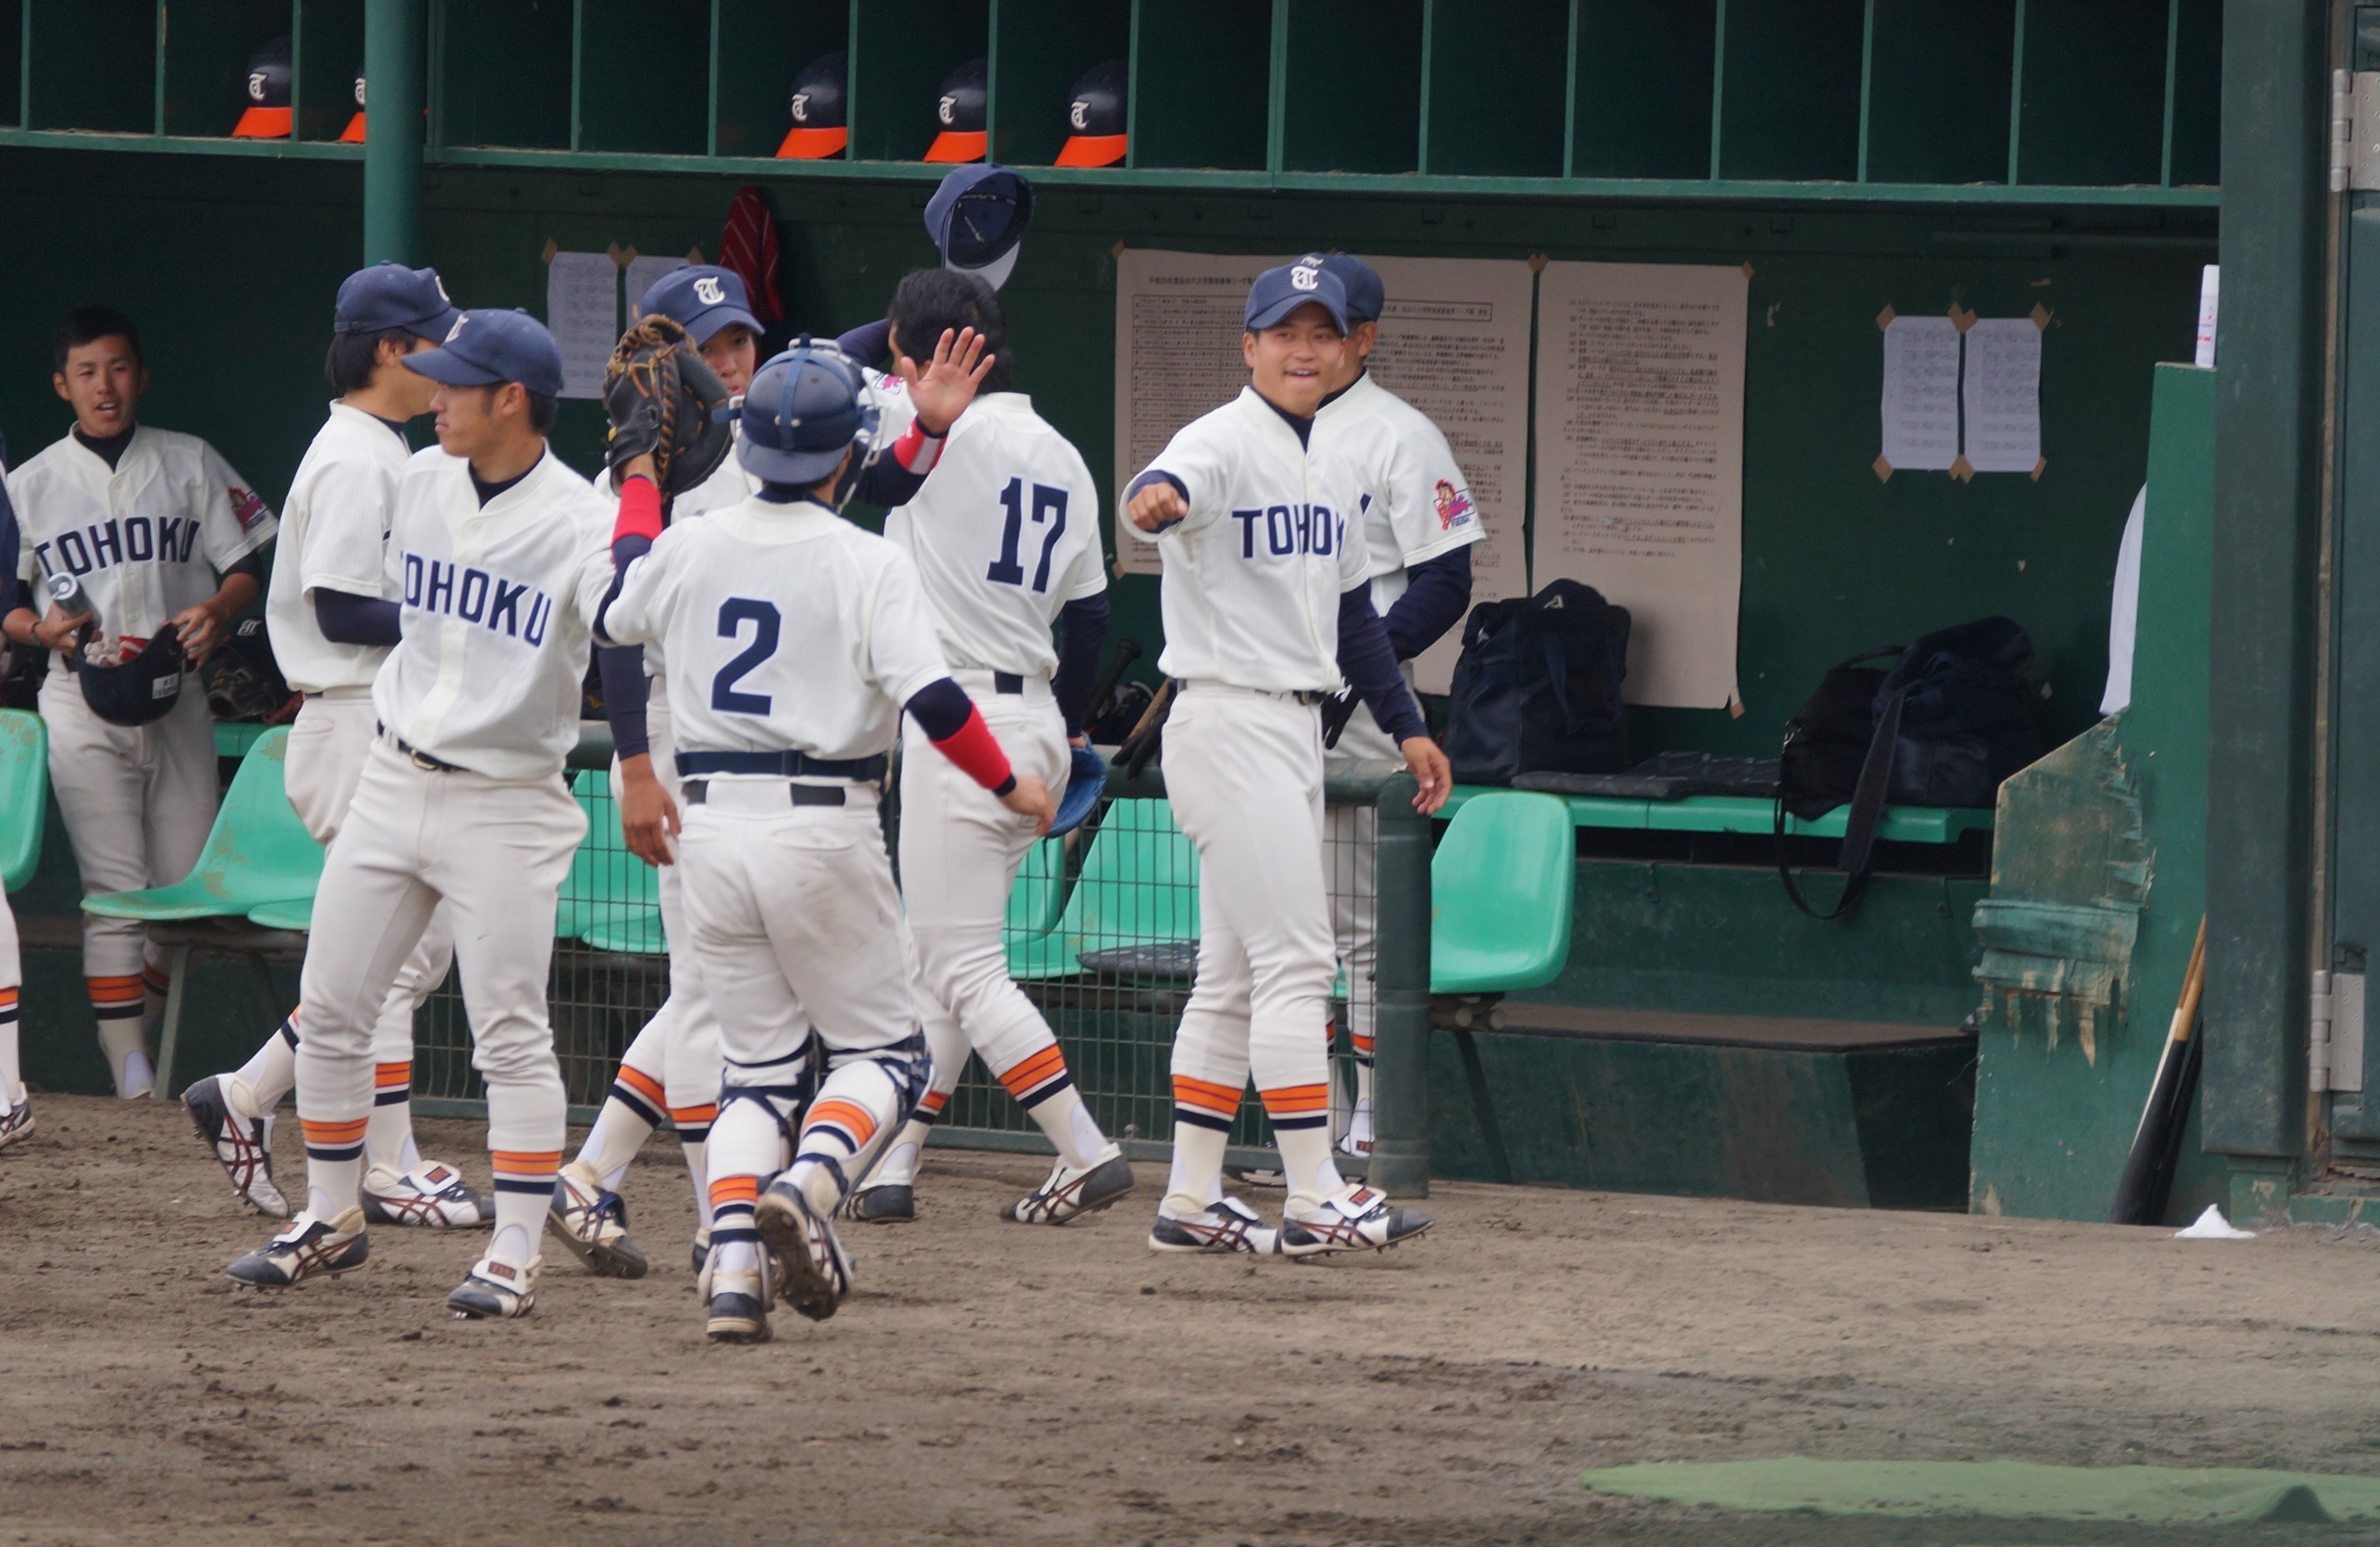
(1400, 985)
(393, 49)
(2268, 460)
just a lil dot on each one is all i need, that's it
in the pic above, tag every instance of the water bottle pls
(68, 596)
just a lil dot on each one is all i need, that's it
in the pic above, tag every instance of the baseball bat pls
(2156, 1144)
(1103, 695)
(1141, 745)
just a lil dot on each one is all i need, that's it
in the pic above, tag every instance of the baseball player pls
(498, 556)
(16, 1103)
(161, 535)
(671, 1070)
(1005, 537)
(333, 617)
(1267, 611)
(795, 640)
(1418, 523)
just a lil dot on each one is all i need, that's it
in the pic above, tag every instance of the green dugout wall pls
(1854, 153)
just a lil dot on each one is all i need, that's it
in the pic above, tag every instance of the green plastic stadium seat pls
(1139, 886)
(297, 914)
(257, 852)
(24, 794)
(631, 932)
(609, 889)
(1500, 892)
(1040, 895)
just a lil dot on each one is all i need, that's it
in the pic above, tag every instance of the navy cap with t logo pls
(391, 295)
(1366, 297)
(486, 346)
(701, 298)
(1279, 292)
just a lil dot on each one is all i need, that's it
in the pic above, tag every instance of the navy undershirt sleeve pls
(941, 709)
(249, 564)
(1437, 592)
(626, 550)
(887, 483)
(1082, 631)
(625, 689)
(868, 343)
(1371, 667)
(346, 618)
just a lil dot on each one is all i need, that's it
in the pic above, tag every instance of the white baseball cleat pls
(738, 1302)
(17, 1121)
(813, 1276)
(495, 1291)
(1357, 1139)
(431, 1195)
(242, 1146)
(1069, 1194)
(1226, 1227)
(305, 1249)
(1358, 1219)
(592, 1225)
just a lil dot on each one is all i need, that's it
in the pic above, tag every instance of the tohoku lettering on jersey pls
(1289, 531)
(516, 610)
(132, 539)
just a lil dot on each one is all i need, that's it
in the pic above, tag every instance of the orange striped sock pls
(1204, 1103)
(391, 1083)
(1296, 1107)
(525, 1171)
(339, 1140)
(693, 1123)
(1036, 1077)
(121, 997)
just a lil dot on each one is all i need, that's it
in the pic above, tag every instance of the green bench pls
(1744, 814)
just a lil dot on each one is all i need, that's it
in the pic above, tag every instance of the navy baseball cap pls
(1365, 295)
(486, 346)
(701, 298)
(391, 295)
(977, 217)
(1279, 292)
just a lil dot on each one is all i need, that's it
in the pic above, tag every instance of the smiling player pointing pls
(1267, 611)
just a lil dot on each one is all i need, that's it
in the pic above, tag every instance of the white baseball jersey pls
(147, 539)
(334, 537)
(1253, 575)
(729, 484)
(1004, 533)
(1414, 502)
(785, 628)
(495, 607)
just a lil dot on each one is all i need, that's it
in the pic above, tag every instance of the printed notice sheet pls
(582, 311)
(1640, 462)
(2003, 395)
(1921, 394)
(642, 271)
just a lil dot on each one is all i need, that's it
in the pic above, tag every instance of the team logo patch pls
(1454, 507)
(359, 91)
(801, 107)
(457, 331)
(708, 292)
(255, 86)
(1304, 277)
(947, 110)
(1079, 114)
(249, 507)
(433, 274)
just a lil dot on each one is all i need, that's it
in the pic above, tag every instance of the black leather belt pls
(781, 765)
(1007, 682)
(697, 793)
(421, 759)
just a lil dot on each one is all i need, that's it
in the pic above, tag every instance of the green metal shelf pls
(182, 145)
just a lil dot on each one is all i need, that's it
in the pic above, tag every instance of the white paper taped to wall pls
(582, 312)
(641, 275)
(1640, 462)
(2002, 394)
(1920, 393)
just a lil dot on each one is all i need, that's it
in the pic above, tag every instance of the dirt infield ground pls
(991, 1384)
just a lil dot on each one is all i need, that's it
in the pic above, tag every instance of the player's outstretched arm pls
(940, 392)
(1155, 502)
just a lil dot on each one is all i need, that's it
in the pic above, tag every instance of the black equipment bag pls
(1537, 688)
(1953, 718)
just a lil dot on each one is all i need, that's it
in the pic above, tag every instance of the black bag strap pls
(1860, 828)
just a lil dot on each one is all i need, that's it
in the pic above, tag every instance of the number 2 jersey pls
(784, 628)
(1003, 535)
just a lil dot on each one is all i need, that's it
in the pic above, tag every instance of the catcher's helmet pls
(267, 82)
(820, 108)
(803, 408)
(959, 113)
(1087, 781)
(1095, 117)
(136, 692)
(244, 683)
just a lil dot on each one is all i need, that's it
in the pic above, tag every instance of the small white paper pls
(2002, 394)
(642, 271)
(2212, 1226)
(582, 311)
(2210, 291)
(1920, 393)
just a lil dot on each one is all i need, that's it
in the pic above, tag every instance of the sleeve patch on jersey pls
(249, 507)
(1454, 507)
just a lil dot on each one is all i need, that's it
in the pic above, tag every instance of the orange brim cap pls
(354, 133)
(955, 145)
(1092, 149)
(263, 123)
(803, 144)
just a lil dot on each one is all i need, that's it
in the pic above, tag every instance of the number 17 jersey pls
(1004, 533)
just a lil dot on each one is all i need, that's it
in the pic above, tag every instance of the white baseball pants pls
(1352, 858)
(494, 854)
(679, 1048)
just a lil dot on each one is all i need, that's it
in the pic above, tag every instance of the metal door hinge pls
(2354, 131)
(2335, 1033)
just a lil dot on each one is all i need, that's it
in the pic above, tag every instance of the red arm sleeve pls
(977, 752)
(640, 511)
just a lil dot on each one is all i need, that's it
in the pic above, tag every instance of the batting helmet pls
(959, 113)
(244, 683)
(803, 407)
(820, 109)
(1095, 117)
(1087, 781)
(267, 94)
(136, 692)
